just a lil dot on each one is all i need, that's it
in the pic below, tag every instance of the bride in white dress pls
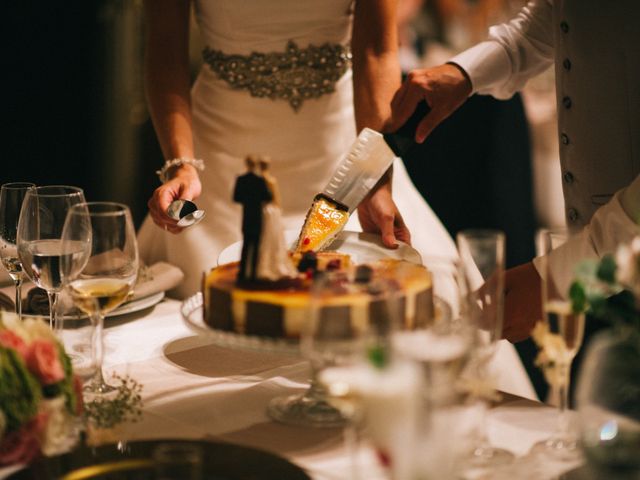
(291, 79)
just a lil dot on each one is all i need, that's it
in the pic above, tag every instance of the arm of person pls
(167, 85)
(514, 52)
(376, 76)
(613, 224)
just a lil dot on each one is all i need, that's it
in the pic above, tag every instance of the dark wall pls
(74, 110)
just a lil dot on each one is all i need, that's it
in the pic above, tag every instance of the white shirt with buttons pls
(596, 50)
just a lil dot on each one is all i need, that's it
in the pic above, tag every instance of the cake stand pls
(311, 408)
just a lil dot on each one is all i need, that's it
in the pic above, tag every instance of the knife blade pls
(370, 156)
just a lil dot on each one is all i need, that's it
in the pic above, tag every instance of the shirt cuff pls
(609, 228)
(487, 64)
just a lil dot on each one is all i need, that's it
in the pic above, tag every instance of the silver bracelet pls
(174, 162)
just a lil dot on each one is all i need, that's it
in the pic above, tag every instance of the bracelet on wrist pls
(176, 162)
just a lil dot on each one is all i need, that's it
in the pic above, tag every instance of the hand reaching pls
(185, 184)
(522, 302)
(444, 88)
(378, 213)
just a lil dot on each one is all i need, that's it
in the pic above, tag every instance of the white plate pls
(137, 305)
(129, 307)
(363, 248)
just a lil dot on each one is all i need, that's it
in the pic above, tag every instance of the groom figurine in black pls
(252, 192)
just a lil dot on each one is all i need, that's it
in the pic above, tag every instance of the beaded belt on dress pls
(295, 75)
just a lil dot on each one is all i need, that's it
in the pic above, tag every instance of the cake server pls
(368, 159)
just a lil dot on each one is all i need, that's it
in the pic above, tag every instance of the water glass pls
(39, 239)
(11, 198)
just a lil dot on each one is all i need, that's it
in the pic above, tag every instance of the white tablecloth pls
(194, 389)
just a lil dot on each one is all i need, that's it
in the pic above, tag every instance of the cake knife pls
(368, 159)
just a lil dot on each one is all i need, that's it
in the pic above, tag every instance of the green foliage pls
(19, 391)
(124, 406)
(607, 269)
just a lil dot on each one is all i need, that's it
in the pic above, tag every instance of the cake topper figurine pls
(252, 192)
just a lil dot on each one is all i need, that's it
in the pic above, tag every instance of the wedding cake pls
(269, 292)
(281, 308)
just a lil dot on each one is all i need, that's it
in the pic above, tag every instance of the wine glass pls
(103, 276)
(39, 238)
(559, 337)
(11, 197)
(482, 255)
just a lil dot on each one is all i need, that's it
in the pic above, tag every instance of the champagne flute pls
(103, 276)
(40, 249)
(559, 338)
(11, 197)
(482, 255)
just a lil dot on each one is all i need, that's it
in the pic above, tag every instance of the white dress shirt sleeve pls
(613, 224)
(514, 52)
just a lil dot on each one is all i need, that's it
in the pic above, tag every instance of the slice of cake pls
(325, 219)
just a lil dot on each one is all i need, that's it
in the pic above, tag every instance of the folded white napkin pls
(156, 278)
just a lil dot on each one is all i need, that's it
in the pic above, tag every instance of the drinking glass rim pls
(18, 185)
(481, 232)
(120, 208)
(73, 191)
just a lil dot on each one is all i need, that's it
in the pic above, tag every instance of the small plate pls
(134, 461)
(137, 305)
(363, 248)
(128, 307)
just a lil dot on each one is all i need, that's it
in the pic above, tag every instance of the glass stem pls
(563, 399)
(97, 349)
(53, 311)
(18, 283)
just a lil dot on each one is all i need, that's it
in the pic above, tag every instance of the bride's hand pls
(184, 184)
(378, 213)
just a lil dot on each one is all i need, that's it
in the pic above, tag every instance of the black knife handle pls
(403, 139)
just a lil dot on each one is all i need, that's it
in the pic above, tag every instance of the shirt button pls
(566, 102)
(564, 26)
(572, 214)
(568, 177)
(566, 63)
(564, 138)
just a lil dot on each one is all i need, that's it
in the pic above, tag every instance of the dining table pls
(195, 388)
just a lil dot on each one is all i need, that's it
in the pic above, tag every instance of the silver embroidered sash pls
(294, 75)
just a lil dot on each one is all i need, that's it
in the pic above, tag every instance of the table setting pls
(143, 386)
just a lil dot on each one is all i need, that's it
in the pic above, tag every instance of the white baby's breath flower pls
(628, 262)
(60, 433)
(37, 329)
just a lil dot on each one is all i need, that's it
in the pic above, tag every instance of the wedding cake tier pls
(281, 308)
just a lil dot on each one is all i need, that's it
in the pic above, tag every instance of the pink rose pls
(8, 339)
(22, 446)
(43, 362)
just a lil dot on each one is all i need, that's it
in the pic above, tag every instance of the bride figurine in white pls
(274, 262)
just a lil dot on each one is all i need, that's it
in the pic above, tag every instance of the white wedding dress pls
(304, 144)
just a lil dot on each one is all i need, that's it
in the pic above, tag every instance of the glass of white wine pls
(102, 277)
(11, 197)
(39, 239)
(559, 337)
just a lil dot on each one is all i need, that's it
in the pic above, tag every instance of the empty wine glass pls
(103, 275)
(11, 197)
(482, 255)
(39, 238)
(559, 337)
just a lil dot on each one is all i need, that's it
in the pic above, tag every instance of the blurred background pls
(76, 114)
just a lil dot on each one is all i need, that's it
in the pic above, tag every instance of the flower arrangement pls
(40, 397)
(609, 289)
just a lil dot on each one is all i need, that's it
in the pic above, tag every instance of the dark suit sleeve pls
(238, 191)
